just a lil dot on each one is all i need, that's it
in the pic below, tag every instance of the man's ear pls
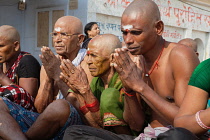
(159, 25)
(81, 38)
(111, 58)
(17, 46)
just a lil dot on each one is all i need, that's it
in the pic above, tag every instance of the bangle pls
(131, 93)
(84, 109)
(94, 107)
(200, 123)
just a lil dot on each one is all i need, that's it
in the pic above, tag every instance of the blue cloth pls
(26, 118)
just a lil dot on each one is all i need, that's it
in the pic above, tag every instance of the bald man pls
(56, 115)
(101, 102)
(165, 71)
(190, 43)
(67, 37)
(19, 77)
(167, 67)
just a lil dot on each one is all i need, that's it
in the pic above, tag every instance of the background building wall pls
(182, 19)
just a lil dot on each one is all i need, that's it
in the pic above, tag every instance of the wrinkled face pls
(94, 31)
(98, 61)
(139, 34)
(64, 39)
(7, 50)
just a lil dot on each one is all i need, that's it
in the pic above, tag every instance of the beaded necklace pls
(155, 63)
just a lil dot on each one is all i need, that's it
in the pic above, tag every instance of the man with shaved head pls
(56, 115)
(101, 102)
(67, 37)
(19, 73)
(190, 43)
(165, 70)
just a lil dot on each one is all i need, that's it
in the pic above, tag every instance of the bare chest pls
(162, 81)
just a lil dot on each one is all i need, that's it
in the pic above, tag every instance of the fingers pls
(69, 70)
(64, 77)
(68, 64)
(65, 69)
(121, 57)
(136, 60)
(42, 58)
(117, 68)
(82, 73)
(80, 69)
(47, 53)
(66, 80)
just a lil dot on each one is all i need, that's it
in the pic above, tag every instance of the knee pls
(3, 106)
(58, 109)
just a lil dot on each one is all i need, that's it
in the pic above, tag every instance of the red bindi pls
(88, 52)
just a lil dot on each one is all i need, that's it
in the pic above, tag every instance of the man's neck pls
(154, 53)
(73, 55)
(12, 60)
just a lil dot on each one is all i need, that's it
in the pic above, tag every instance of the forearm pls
(189, 122)
(63, 87)
(133, 114)
(45, 96)
(31, 85)
(4, 80)
(93, 118)
(92, 121)
(166, 110)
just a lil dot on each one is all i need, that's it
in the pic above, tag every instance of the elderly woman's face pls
(98, 60)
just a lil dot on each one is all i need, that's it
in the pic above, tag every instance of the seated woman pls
(194, 112)
(103, 103)
(91, 30)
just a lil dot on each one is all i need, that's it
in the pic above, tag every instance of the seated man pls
(19, 74)
(67, 37)
(194, 112)
(190, 43)
(102, 100)
(55, 115)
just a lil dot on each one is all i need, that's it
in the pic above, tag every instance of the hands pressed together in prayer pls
(74, 77)
(130, 71)
(50, 62)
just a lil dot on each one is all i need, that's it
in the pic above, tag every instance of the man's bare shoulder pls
(181, 51)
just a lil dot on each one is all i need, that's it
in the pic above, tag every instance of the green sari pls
(111, 100)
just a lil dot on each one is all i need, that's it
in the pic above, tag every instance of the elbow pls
(178, 122)
(38, 106)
